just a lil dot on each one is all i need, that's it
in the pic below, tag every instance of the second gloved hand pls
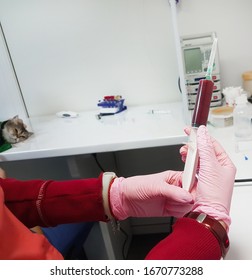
(215, 180)
(155, 195)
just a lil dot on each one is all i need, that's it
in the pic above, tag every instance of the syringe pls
(200, 117)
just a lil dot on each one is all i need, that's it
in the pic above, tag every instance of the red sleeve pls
(49, 203)
(18, 242)
(189, 240)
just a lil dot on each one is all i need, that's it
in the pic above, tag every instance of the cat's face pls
(15, 131)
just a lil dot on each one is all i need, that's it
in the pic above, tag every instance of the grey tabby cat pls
(13, 131)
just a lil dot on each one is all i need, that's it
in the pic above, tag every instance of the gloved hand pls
(216, 176)
(153, 195)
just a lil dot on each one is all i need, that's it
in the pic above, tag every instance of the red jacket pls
(49, 203)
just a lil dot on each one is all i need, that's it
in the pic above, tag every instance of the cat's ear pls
(17, 120)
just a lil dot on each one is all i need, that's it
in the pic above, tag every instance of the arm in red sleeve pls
(49, 203)
(18, 242)
(189, 240)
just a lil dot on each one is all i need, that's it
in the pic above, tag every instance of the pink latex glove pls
(153, 195)
(216, 176)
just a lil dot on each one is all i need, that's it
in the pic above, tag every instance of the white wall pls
(70, 53)
(10, 96)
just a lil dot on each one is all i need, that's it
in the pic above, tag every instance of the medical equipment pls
(196, 55)
(200, 117)
(221, 116)
(111, 104)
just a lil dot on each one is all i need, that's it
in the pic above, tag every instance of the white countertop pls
(132, 129)
(239, 152)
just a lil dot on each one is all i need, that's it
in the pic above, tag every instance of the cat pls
(13, 131)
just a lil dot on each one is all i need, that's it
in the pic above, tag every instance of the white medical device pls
(196, 51)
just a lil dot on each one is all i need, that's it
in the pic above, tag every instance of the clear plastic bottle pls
(242, 117)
